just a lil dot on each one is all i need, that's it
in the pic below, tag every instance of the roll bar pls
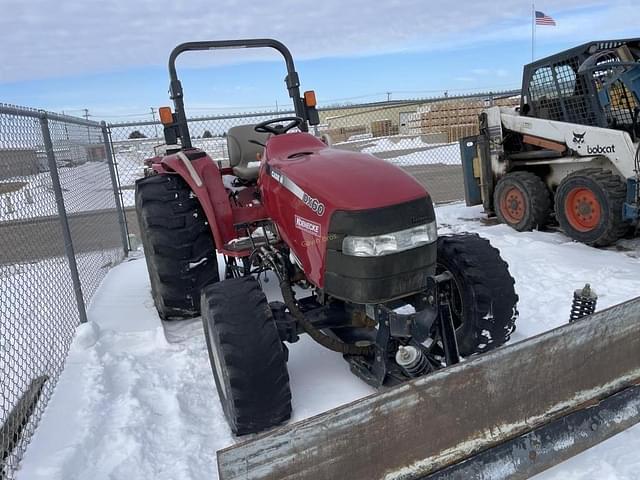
(591, 63)
(175, 88)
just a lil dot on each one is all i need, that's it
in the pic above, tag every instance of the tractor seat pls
(243, 155)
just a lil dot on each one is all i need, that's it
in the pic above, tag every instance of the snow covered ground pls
(445, 153)
(131, 405)
(85, 187)
(399, 150)
(388, 144)
(88, 186)
(42, 318)
(411, 150)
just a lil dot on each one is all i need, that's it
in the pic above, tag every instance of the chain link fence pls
(422, 137)
(61, 228)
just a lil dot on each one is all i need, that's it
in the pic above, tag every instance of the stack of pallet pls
(381, 128)
(454, 118)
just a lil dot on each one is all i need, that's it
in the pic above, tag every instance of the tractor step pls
(560, 388)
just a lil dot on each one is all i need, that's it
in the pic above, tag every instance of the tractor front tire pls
(178, 245)
(482, 294)
(589, 206)
(522, 201)
(248, 359)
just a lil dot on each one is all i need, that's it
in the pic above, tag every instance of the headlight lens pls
(388, 243)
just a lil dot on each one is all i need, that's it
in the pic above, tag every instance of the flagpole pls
(533, 31)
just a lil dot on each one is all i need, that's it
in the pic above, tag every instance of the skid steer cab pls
(570, 154)
(351, 241)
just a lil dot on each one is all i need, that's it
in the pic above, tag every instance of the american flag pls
(542, 19)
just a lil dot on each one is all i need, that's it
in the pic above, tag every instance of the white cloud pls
(46, 38)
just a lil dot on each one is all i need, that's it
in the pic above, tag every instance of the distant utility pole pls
(155, 125)
(66, 129)
(389, 96)
(86, 116)
(276, 105)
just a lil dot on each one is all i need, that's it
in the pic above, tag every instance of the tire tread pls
(474, 261)
(535, 190)
(179, 248)
(615, 191)
(252, 352)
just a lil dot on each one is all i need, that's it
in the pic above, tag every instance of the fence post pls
(62, 213)
(116, 188)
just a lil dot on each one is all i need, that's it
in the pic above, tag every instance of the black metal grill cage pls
(595, 84)
(616, 92)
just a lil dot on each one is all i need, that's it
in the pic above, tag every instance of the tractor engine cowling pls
(361, 228)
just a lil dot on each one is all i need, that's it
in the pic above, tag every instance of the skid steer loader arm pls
(510, 413)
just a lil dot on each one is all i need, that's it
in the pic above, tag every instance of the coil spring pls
(412, 360)
(419, 367)
(584, 303)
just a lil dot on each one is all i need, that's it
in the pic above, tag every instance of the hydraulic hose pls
(324, 340)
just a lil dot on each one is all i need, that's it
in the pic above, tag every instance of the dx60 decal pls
(314, 204)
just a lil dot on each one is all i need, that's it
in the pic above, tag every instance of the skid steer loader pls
(352, 242)
(571, 149)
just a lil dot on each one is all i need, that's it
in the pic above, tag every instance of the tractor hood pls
(341, 179)
(318, 195)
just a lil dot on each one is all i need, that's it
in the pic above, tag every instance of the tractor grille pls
(378, 279)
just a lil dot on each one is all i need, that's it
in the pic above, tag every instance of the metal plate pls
(432, 422)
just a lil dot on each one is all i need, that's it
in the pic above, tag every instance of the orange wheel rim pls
(583, 209)
(512, 205)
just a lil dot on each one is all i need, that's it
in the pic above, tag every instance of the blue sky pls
(110, 56)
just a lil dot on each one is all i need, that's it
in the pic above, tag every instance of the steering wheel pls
(278, 129)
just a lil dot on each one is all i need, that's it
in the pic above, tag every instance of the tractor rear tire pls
(483, 298)
(248, 359)
(589, 206)
(178, 245)
(522, 201)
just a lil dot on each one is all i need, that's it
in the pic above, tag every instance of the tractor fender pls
(205, 180)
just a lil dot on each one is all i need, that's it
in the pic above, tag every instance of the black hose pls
(324, 340)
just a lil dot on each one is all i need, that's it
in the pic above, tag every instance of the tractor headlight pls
(388, 243)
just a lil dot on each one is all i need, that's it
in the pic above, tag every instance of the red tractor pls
(351, 239)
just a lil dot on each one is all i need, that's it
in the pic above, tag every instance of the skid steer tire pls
(522, 201)
(178, 245)
(247, 356)
(589, 206)
(483, 299)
